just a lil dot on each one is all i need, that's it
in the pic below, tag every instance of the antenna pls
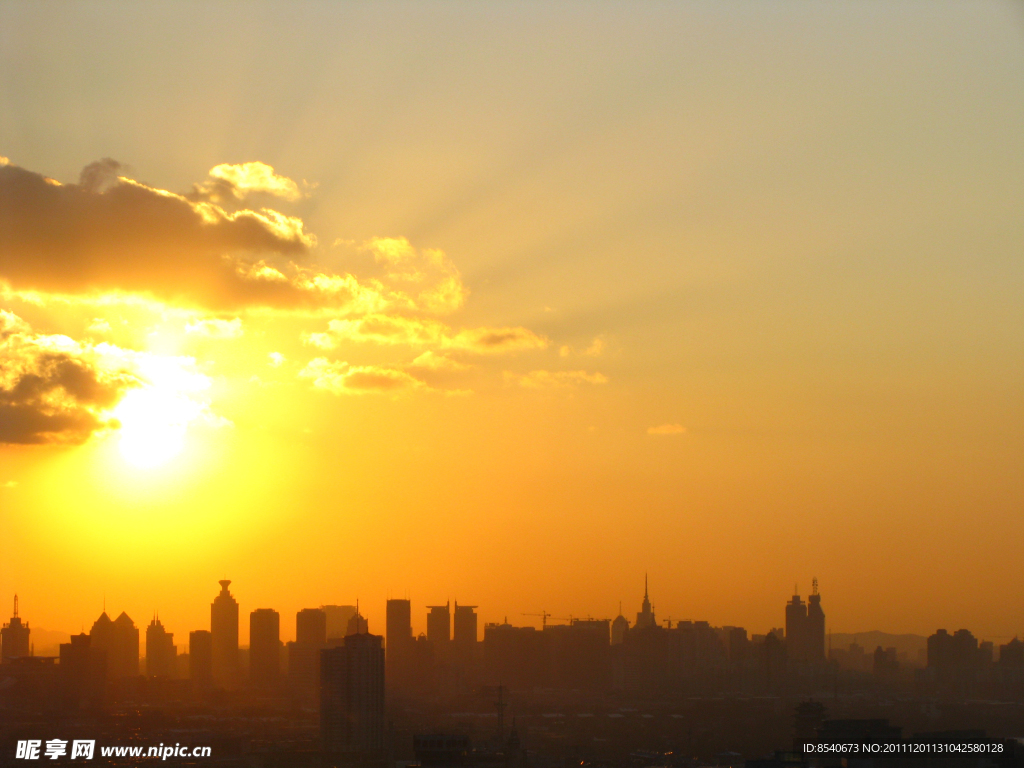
(814, 586)
(15, 606)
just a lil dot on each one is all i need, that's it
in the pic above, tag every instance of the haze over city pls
(511, 306)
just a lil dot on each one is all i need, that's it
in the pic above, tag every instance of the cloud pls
(52, 388)
(435, 362)
(390, 329)
(443, 291)
(239, 180)
(545, 379)
(216, 328)
(111, 233)
(341, 378)
(666, 429)
(276, 359)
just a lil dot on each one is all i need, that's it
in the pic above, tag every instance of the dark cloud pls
(110, 233)
(55, 397)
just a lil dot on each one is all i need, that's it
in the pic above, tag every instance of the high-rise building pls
(352, 696)
(304, 653)
(264, 648)
(357, 624)
(224, 632)
(815, 626)
(398, 624)
(464, 639)
(337, 619)
(200, 658)
(83, 672)
(439, 625)
(645, 618)
(620, 626)
(120, 639)
(311, 626)
(161, 655)
(14, 636)
(805, 628)
(399, 641)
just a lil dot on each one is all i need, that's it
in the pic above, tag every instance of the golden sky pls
(508, 304)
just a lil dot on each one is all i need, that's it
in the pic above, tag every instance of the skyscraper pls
(83, 672)
(304, 653)
(352, 696)
(620, 626)
(439, 625)
(465, 636)
(805, 628)
(14, 637)
(645, 618)
(264, 648)
(120, 640)
(311, 626)
(224, 632)
(160, 651)
(200, 659)
(815, 626)
(357, 623)
(399, 641)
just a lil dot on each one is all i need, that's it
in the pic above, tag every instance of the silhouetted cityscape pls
(583, 691)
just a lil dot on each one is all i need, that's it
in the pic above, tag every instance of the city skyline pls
(422, 620)
(508, 305)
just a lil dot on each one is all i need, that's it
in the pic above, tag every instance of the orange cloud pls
(544, 379)
(52, 388)
(341, 378)
(666, 429)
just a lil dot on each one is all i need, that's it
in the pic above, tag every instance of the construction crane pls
(544, 616)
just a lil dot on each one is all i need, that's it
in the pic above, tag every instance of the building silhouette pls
(161, 655)
(337, 619)
(620, 626)
(120, 640)
(439, 625)
(83, 672)
(805, 629)
(645, 618)
(14, 637)
(352, 696)
(224, 632)
(399, 641)
(265, 648)
(464, 638)
(200, 659)
(304, 653)
(357, 623)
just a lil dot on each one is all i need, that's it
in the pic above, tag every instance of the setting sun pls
(153, 424)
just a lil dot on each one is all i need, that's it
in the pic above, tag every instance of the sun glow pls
(153, 424)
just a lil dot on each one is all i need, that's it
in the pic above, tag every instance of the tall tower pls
(14, 637)
(465, 636)
(439, 625)
(399, 640)
(224, 631)
(796, 628)
(619, 628)
(160, 650)
(645, 618)
(264, 648)
(352, 696)
(815, 626)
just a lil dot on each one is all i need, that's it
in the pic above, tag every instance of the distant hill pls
(908, 644)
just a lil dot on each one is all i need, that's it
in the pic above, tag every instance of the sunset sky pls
(511, 303)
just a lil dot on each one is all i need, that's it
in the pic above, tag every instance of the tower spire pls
(645, 585)
(15, 606)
